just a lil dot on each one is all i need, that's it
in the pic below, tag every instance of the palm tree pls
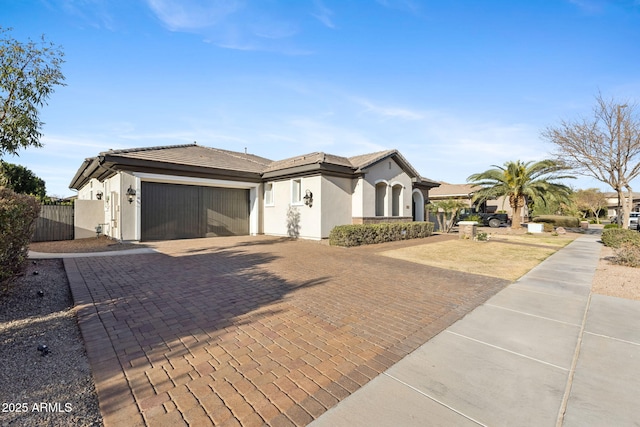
(521, 181)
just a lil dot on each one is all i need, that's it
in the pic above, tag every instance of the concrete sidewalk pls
(542, 352)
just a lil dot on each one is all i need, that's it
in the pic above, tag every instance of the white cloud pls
(239, 25)
(189, 15)
(323, 14)
(95, 13)
(389, 111)
(405, 5)
(270, 29)
(320, 135)
(69, 146)
(589, 6)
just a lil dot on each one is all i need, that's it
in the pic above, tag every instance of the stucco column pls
(389, 201)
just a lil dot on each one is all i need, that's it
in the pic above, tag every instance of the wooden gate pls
(54, 223)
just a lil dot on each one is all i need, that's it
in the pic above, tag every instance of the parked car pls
(632, 223)
(493, 220)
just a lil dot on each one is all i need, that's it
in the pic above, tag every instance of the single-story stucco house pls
(190, 191)
(612, 203)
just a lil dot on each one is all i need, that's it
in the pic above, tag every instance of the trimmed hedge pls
(611, 226)
(366, 234)
(18, 214)
(558, 220)
(616, 237)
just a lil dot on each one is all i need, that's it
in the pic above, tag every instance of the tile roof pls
(452, 190)
(308, 159)
(364, 160)
(195, 155)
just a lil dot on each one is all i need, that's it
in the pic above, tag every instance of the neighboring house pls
(464, 192)
(188, 191)
(612, 203)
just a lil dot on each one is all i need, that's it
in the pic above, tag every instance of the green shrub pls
(611, 226)
(558, 220)
(366, 234)
(547, 227)
(616, 237)
(18, 213)
(628, 254)
(475, 217)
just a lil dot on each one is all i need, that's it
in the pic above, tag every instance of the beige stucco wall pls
(357, 199)
(88, 214)
(93, 218)
(305, 220)
(113, 205)
(129, 213)
(89, 191)
(336, 203)
(119, 218)
(275, 215)
(389, 172)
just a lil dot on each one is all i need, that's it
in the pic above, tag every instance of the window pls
(268, 194)
(296, 191)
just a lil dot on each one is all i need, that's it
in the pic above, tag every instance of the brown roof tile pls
(195, 155)
(364, 160)
(452, 190)
(308, 159)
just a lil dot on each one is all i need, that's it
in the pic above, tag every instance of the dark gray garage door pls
(172, 211)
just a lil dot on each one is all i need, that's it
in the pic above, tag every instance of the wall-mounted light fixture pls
(99, 195)
(308, 198)
(131, 194)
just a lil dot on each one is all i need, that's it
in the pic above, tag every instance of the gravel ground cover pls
(616, 280)
(54, 389)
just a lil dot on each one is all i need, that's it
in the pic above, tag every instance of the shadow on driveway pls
(274, 333)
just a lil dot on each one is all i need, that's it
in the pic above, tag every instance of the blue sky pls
(456, 86)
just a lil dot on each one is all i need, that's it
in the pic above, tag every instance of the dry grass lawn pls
(534, 239)
(505, 256)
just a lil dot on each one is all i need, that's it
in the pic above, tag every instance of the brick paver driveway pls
(254, 330)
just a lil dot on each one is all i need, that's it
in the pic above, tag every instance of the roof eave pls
(312, 168)
(131, 164)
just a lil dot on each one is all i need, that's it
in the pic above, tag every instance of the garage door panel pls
(227, 211)
(174, 211)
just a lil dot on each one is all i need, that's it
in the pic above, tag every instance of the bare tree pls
(605, 147)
